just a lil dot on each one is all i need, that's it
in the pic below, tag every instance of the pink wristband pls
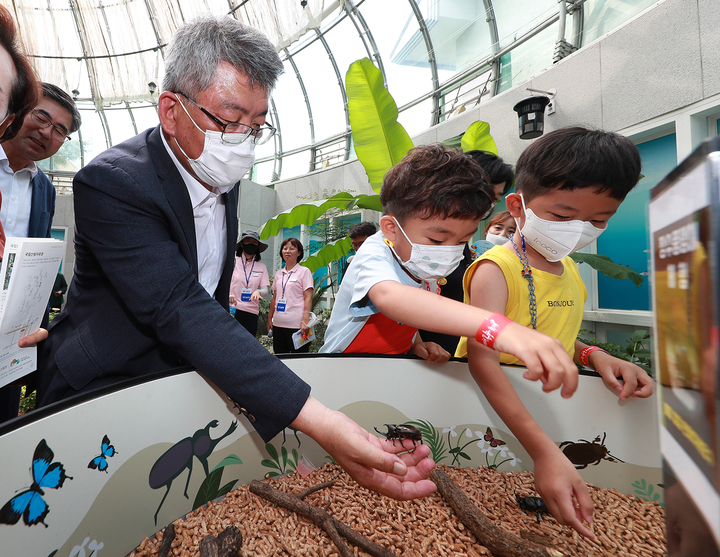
(585, 354)
(490, 328)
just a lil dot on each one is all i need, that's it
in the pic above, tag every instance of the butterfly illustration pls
(100, 462)
(490, 439)
(29, 504)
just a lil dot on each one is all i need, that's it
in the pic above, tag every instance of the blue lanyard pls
(247, 280)
(284, 284)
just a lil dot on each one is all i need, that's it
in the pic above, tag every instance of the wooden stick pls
(498, 541)
(168, 537)
(332, 526)
(313, 489)
(227, 543)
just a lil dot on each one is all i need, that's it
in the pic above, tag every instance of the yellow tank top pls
(560, 299)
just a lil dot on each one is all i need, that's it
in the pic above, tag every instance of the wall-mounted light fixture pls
(75, 94)
(531, 113)
(152, 87)
(303, 3)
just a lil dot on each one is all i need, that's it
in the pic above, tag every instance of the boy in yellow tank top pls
(569, 183)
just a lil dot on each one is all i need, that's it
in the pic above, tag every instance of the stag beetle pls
(533, 504)
(402, 432)
(584, 452)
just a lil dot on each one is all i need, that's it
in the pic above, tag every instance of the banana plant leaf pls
(364, 201)
(327, 254)
(380, 140)
(306, 213)
(606, 266)
(477, 137)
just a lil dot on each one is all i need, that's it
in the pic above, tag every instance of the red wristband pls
(490, 328)
(585, 354)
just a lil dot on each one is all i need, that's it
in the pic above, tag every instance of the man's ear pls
(167, 107)
(514, 204)
(389, 227)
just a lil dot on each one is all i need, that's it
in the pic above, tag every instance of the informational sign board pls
(684, 227)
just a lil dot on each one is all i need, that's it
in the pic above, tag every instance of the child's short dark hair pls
(576, 157)
(362, 229)
(497, 170)
(434, 181)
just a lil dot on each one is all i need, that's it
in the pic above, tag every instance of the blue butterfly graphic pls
(100, 462)
(29, 504)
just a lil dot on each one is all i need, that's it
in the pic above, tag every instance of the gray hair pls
(54, 93)
(197, 48)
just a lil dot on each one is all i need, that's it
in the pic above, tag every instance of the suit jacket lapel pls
(231, 224)
(175, 192)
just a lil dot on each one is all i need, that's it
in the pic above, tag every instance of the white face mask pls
(220, 165)
(496, 239)
(429, 262)
(555, 240)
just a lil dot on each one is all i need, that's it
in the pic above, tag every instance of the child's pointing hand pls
(545, 358)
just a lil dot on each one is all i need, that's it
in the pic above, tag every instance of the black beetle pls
(533, 504)
(402, 432)
(584, 452)
(180, 457)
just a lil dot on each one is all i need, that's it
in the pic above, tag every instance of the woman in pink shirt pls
(292, 299)
(250, 280)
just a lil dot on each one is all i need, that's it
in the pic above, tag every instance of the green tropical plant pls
(210, 489)
(380, 142)
(637, 350)
(603, 264)
(477, 137)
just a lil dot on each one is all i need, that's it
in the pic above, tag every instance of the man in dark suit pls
(155, 230)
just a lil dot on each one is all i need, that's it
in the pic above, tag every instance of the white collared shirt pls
(210, 226)
(16, 188)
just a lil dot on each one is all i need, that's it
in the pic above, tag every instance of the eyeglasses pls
(59, 133)
(235, 133)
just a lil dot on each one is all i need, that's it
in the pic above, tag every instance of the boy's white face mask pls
(430, 262)
(555, 240)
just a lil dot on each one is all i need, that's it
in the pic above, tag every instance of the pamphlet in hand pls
(27, 275)
(299, 340)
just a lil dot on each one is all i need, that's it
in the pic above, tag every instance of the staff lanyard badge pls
(245, 294)
(282, 301)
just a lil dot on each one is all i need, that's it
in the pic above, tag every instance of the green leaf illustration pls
(228, 461)
(433, 439)
(208, 489)
(272, 451)
(270, 464)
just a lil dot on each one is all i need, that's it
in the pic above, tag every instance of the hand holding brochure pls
(299, 340)
(27, 275)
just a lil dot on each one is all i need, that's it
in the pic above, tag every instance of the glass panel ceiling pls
(106, 53)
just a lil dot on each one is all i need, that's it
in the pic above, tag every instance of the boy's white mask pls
(555, 240)
(429, 262)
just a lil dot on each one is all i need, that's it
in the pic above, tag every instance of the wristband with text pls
(585, 354)
(490, 328)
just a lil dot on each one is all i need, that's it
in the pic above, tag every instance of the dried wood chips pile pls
(624, 525)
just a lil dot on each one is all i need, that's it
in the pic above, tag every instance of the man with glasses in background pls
(28, 196)
(155, 230)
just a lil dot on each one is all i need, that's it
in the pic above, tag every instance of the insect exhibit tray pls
(98, 474)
